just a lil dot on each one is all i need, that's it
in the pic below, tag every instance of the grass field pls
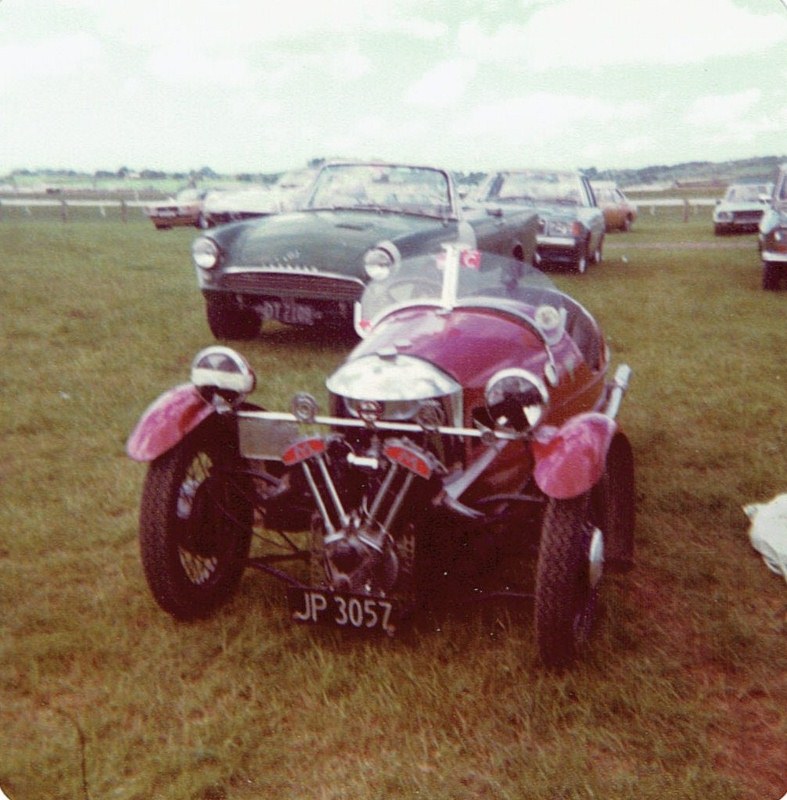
(102, 696)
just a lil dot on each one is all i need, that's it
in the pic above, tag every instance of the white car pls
(259, 200)
(741, 208)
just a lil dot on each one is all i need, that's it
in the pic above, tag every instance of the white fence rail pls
(689, 205)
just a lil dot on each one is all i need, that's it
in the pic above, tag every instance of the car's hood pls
(741, 205)
(333, 241)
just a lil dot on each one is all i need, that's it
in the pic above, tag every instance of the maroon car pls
(471, 431)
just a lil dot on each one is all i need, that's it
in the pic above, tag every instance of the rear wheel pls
(227, 319)
(570, 563)
(195, 524)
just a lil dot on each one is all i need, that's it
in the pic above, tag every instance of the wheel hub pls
(595, 557)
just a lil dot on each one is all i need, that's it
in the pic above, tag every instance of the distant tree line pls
(755, 169)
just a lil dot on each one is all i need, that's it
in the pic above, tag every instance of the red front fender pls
(166, 421)
(570, 460)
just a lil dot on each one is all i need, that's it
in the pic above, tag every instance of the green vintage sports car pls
(309, 267)
(571, 232)
(772, 238)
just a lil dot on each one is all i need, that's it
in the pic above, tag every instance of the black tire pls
(598, 253)
(770, 277)
(581, 264)
(195, 524)
(228, 320)
(565, 604)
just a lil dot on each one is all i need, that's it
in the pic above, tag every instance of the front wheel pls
(227, 319)
(570, 563)
(598, 253)
(581, 264)
(195, 524)
(770, 277)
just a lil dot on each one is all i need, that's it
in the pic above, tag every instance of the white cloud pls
(443, 85)
(185, 65)
(579, 33)
(542, 114)
(717, 109)
(55, 55)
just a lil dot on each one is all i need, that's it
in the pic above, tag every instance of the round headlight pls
(381, 260)
(205, 252)
(516, 399)
(559, 227)
(222, 376)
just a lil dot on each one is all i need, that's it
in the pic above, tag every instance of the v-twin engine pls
(367, 548)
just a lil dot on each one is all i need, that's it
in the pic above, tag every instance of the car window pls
(538, 187)
(415, 190)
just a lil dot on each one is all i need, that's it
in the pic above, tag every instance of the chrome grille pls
(293, 284)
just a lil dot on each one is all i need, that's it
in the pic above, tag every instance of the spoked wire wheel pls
(196, 523)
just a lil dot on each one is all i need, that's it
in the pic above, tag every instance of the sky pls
(263, 86)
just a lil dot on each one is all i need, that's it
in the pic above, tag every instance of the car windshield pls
(382, 187)
(464, 277)
(534, 187)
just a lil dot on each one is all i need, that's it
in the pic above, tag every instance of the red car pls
(473, 429)
(185, 209)
(619, 212)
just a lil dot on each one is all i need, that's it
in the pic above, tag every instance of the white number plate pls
(356, 611)
(285, 311)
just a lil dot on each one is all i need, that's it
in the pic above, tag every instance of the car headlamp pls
(564, 227)
(516, 400)
(724, 216)
(205, 252)
(381, 260)
(222, 376)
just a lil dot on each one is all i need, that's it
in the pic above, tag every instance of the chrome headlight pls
(380, 261)
(564, 227)
(205, 252)
(222, 376)
(723, 216)
(516, 399)
(395, 387)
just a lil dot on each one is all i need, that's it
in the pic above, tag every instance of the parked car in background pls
(619, 212)
(184, 209)
(286, 194)
(741, 208)
(571, 225)
(309, 266)
(772, 239)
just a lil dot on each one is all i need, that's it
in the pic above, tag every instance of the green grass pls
(679, 696)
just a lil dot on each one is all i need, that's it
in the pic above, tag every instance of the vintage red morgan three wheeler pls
(472, 427)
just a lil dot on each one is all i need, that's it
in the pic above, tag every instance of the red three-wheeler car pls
(473, 427)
